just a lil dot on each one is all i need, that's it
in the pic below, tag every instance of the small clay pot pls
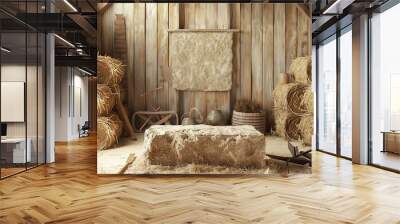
(190, 118)
(215, 117)
(187, 121)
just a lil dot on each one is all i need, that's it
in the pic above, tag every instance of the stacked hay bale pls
(110, 72)
(293, 102)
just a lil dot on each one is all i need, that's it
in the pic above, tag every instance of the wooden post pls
(124, 115)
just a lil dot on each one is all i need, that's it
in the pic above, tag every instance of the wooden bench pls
(142, 120)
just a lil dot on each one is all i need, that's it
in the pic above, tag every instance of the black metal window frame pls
(29, 30)
(334, 37)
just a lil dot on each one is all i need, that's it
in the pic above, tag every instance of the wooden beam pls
(101, 7)
(304, 8)
(62, 6)
(84, 24)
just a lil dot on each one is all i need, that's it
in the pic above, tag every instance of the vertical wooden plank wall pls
(186, 99)
(139, 52)
(257, 54)
(268, 62)
(279, 40)
(162, 23)
(304, 44)
(151, 56)
(290, 33)
(245, 53)
(195, 17)
(173, 23)
(130, 78)
(205, 16)
(222, 99)
(236, 78)
(271, 36)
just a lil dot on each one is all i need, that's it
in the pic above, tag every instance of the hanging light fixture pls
(5, 50)
(84, 71)
(70, 5)
(337, 7)
(64, 40)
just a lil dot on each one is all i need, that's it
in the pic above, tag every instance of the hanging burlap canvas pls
(201, 61)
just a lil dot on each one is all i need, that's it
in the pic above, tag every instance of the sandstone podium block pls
(230, 146)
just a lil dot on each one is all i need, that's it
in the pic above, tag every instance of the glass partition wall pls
(346, 95)
(22, 77)
(385, 89)
(327, 96)
(334, 94)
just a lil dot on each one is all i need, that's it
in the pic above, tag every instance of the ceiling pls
(330, 15)
(74, 22)
(23, 48)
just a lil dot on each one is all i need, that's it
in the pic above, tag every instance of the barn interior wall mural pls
(204, 88)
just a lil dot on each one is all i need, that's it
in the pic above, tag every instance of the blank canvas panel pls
(201, 61)
(12, 101)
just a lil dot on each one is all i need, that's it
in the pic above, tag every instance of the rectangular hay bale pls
(230, 146)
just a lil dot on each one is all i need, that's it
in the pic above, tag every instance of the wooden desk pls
(391, 141)
(13, 150)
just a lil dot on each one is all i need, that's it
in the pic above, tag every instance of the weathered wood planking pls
(151, 56)
(235, 24)
(99, 32)
(120, 47)
(139, 11)
(268, 62)
(245, 54)
(270, 36)
(303, 30)
(257, 53)
(291, 34)
(199, 99)
(173, 23)
(130, 77)
(222, 99)
(162, 95)
(279, 41)
(212, 12)
(187, 98)
(107, 28)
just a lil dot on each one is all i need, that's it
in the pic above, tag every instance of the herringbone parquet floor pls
(69, 191)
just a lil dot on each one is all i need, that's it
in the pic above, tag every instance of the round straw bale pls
(300, 69)
(109, 129)
(280, 117)
(280, 95)
(292, 127)
(287, 124)
(306, 128)
(105, 100)
(296, 102)
(308, 100)
(110, 71)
